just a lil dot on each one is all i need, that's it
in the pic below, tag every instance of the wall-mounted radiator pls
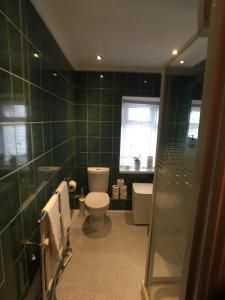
(54, 228)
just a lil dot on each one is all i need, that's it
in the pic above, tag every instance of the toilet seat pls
(97, 200)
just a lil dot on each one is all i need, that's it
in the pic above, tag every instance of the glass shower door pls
(174, 207)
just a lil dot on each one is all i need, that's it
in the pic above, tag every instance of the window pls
(138, 134)
(194, 119)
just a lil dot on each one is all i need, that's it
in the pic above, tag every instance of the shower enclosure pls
(174, 185)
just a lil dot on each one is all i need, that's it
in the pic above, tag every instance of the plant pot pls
(137, 165)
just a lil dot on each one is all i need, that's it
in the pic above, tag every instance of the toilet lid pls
(97, 200)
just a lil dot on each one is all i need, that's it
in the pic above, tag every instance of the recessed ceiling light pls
(145, 81)
(55, 74)
(181, 62)
(35, 55)
(174, 52)
(101, 76)
(99, 57)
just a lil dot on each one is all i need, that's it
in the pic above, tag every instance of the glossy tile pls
(30, 217)
(93, 113)
(4, 49)
(23, 143)
(16, 279)
(12, 243)
(9, 199)
(93, 96)
(107, 96)
(15, 50)
(37, 118)
(93, 129)
(3, 292)
(26, 182)
(37, 140)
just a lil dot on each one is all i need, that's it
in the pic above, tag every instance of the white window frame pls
(138, 100)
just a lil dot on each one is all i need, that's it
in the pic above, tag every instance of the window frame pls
(137, 100)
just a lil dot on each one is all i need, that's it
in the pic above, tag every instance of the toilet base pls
(96, 222)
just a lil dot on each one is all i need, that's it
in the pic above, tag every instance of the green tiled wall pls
(37, 128)
(98, 121)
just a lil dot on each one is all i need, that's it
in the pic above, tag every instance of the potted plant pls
(137, 162)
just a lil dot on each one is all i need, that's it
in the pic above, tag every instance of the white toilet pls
(97, 200)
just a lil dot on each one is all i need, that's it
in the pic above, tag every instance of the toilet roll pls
(115, 188)
(123, 195)
(120, 182)
(123, 189)
(115, 196)
(72, 186)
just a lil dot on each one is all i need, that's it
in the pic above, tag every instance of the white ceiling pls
(130, 35)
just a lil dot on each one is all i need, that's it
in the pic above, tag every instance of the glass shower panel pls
(173, 201)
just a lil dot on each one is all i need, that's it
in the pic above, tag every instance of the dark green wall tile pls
(3, 292)
(16, 279)
(118, 95)
(12, 9)
(121, 80)
(133, 92)
(106, 160)
(23, 143)
(81, 96)
(93, 96)
(21, 101)
(93, 129)
(33, 64)
(1, 268)
(116, 129)
(41, 200)
(12, 243)
(117, 113)
(37, 140)
(93, 80)
(8, 149)
(108, 80)
(9, 199)
(93, 160)
(81, 80)
(81, 128)
(20, 92)
(116, 144)
(146, 81)
(107, 96)
(133, 81)
(15, 51)
(93, 113)
(29, 216)
(26, 181)
(106, 113)
(106, 129)
(81, 112)
(6, 100)
(116, 158)
(106, 145)
(47, 136)
(33, 266)
(81, 144)
(81, 160)
(4, 54)
(36, 104)
(93, 144)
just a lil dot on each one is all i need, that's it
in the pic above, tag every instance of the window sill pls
(132, 170)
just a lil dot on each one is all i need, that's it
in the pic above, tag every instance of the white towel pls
(64, 204)
(53, 217)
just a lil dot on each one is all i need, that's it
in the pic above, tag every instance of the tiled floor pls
(106, 267)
